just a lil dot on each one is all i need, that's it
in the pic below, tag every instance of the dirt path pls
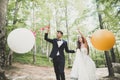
(29, 72)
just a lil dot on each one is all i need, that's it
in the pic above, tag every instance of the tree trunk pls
(2, 75)
(34, 25)
(66, 15)
(56, 18)
(113, 55)
(34, 54)
(3, 13)
(118, 55)
(109, 64)
(108, 60)
(41, 34)
(10, 55)
(9, 59)
(16, 12)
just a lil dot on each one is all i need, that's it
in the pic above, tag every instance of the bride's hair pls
(79, 44)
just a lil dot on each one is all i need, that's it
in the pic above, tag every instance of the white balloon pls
(21, 40)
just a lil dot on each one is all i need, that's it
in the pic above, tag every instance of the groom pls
(57, 54)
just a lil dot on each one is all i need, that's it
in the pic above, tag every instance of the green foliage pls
(36, 14)
(109, 10)
(41, 60)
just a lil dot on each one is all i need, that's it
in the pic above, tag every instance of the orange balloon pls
(103, 39)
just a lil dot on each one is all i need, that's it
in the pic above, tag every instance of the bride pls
(83, 66)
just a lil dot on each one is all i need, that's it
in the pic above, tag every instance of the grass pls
(41, 60)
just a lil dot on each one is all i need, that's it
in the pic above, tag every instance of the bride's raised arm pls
(82, 36)
(86, 43)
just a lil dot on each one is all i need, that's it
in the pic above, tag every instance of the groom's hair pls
(60, 32)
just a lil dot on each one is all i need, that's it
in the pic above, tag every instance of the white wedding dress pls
(83, 66)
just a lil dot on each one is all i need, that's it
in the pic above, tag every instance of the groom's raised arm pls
(67, 50)
(47, 39)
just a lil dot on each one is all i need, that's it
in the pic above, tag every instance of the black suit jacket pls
(55, 48)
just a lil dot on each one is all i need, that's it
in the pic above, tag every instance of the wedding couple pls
(83, 67)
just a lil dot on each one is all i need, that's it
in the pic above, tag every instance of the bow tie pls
(59, 40)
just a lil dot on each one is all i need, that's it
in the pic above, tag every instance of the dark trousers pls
(59, 64)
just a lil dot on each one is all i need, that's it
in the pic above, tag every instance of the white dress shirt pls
(59, 44)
